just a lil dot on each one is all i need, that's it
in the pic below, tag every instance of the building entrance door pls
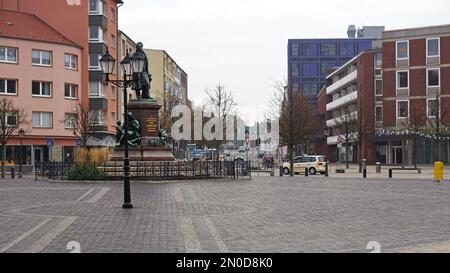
(397, 155)
(38, 155)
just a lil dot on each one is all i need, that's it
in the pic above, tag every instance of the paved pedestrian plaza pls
(265, 214)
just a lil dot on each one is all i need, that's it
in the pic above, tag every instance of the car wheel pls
(312, 171)
(286, 171)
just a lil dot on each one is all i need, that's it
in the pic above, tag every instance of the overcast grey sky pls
(243, 43)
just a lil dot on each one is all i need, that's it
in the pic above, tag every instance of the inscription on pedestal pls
(151, 125)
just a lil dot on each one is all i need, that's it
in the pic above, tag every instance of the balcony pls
(342, 82)
(345, 118)
(333, 140)
(342, 101)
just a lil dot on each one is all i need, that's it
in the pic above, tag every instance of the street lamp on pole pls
(21, 136)
(131, 66)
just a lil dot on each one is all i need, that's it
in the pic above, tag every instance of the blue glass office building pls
(308, 60)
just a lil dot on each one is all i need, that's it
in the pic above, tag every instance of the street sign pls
(50, 142)
(78, 142)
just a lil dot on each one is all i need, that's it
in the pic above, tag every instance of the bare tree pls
(221, 103)
(437, 124)
(165, 116)
(346, 125)
(12, 118)
(82, 120)
(415, 126)
(363, 129)
(296, 118)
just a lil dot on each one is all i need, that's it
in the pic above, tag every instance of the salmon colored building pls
(91, 26)
(40, 73)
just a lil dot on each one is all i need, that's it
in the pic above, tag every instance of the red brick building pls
(404, 85)
(416, 91)
(348, 101)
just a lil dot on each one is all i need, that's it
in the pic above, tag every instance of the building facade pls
(168, 78)
(103, 99)
(92, 25)
(350, 116)
(126, 44)
(406, 89)
(309, 59)
(416, 93)
(40, 73)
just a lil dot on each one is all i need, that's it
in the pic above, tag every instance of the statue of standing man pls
(142, 80)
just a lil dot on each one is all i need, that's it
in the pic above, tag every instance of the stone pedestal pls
(146, 111)
(143, 153)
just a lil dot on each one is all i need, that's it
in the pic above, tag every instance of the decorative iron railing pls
(144, 171)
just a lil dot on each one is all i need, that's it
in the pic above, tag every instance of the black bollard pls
(13, 173)
(281, 171)
(306, 172)
(326, 169)
(390, 173)
(365, 173)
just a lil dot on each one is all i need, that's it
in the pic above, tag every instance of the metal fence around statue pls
(144, 171)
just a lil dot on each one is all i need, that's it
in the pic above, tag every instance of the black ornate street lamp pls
(132, 67)
(21, 137)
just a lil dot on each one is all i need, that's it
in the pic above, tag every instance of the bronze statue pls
(134, 132)
(142, 80)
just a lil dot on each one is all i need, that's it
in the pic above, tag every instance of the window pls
(95, 34)
(346, 50)
(307, 50)
(433, 108)
(113, 41)
(41, 89)
(69, 121)
(70, 91)
(71, 61)
(310, 89)
(42, 57)
(113, 93)
(295, 70)
(113, 15)
(94, 61)
(11, 119)
(294, 49)
(8, 54)
(97, 117)
(8, 87)
(433, 77)
(96, 89)
(402, 109)
(379, 87)
(95, 6)
(402, 79)
(379, 113)
(328, 50)
(42, 120)
(403, 50)
(433, 48)
(310, 70)
(378, 59)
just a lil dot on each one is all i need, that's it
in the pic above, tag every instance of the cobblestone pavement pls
(266, 214)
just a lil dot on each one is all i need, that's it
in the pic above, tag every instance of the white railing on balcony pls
(333, 140)
(342, 119)
(342, 82)
(342, 101)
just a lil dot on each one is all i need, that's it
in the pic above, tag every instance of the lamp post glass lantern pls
(137, 62)
(128, 64)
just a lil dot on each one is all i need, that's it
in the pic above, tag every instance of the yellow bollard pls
(438, 171)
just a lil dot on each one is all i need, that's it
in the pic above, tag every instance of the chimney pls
(351, 31)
